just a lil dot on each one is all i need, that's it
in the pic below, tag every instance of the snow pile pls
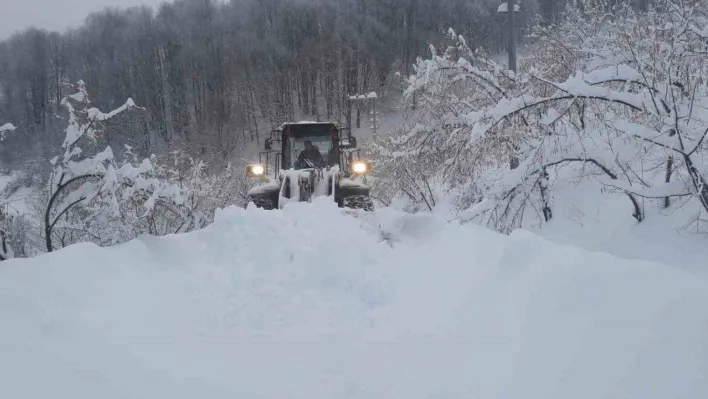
(369, 95)
(504, 7)
(309, 301)
(296, 183)
(8, 127)
(586, 216)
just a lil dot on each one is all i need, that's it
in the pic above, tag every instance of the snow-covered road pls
(310, 302)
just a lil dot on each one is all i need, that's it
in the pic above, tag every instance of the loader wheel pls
(265, 203)
(359, 202)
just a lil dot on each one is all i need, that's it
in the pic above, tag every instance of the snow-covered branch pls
(83, 188)
(627, 95)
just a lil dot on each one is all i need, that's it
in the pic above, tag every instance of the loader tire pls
(265, 203)
(362, 202)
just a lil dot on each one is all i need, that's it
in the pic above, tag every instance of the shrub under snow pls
(616, 97)
(95, 198)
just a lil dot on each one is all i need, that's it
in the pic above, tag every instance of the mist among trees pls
(208, 80)
(214, 76)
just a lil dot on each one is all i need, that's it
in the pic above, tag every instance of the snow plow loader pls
(310, 159)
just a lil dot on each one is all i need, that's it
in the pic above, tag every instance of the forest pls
(141, 121)
(213, 76)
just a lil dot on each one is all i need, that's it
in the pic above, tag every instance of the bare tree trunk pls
(313, 102)
(543, 188)
(510, 10)
(358, 115)
(166, 96)
(669, 166)
(304, 90)
(253, 114)
(511, 5)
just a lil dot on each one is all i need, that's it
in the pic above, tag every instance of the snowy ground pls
(16, 202)
(311, 302)
(585, 217)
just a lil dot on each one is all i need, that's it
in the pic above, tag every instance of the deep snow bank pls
(586, 216)
(310, 302)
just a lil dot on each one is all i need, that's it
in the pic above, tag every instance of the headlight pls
(255, 170)
(359, 168)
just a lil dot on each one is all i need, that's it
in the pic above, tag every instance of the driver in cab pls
(310, 156)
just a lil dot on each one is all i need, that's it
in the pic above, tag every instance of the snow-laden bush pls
(6, 221)
(620, 98)
(19, 234)
(207, 188)
(95, 198)
(445, 88)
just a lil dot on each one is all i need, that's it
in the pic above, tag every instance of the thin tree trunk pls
(166, 96)
(313, 83)
(669, 167)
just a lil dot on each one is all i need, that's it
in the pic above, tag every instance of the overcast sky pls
(54, 14)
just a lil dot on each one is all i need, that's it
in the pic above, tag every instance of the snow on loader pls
(310, 159)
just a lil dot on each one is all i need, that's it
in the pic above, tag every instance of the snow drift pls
(311, 302)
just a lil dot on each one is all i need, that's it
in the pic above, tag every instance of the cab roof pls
(286, 124)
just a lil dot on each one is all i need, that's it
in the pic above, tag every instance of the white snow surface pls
(8, 127)
(504, 7)
(368, 95)
(313, 302)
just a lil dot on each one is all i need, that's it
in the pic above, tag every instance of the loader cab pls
(335, 146)
(303, 138)
(286, 143)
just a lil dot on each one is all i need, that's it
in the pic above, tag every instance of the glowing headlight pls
(256, 170)
(359, 167)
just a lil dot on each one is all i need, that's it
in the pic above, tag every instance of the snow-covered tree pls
(6, 251)
(205, 190)
(94, 197)
(436, 148)
(635, 111)
(621, 99)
